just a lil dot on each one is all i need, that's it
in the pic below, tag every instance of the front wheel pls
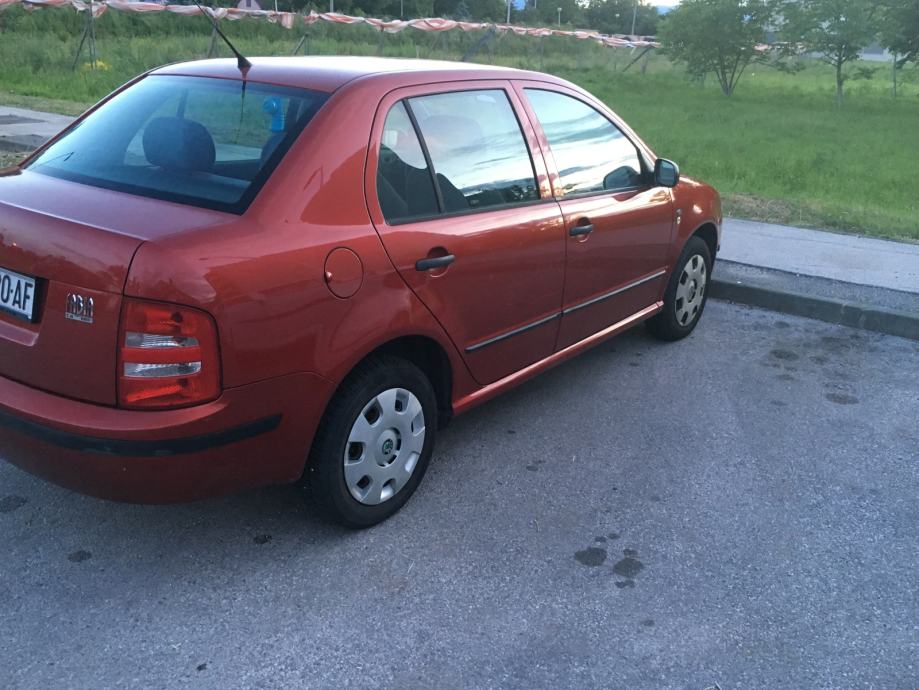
(374, 443)
(686, 294)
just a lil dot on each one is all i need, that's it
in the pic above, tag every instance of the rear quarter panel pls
(262, 276)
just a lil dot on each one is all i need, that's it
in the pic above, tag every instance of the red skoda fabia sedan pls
(217, 280)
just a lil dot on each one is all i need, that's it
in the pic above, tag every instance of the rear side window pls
(590, 152)
(195, 140)
(470, 155)
(404, 183)
(477, 149)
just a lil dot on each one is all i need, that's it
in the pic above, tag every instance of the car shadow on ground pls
(269, 514)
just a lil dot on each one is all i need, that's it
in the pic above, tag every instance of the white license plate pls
(17, 293)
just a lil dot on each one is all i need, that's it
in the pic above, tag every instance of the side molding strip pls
(617, 291)
(552, 317)
(487, 392)
(516, 331)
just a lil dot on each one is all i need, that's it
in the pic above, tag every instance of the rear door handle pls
(436, 262)
(579, 230)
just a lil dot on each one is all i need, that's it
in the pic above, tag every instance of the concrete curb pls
(855, 314)
(23, 143)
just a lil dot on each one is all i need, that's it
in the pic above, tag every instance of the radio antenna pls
(241, 62)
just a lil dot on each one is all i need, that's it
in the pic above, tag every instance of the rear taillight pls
(167, 357)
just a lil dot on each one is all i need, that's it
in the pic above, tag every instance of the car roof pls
(329, 72)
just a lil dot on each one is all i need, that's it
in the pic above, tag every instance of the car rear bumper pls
(251, 436)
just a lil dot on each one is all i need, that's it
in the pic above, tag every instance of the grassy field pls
(778, 150)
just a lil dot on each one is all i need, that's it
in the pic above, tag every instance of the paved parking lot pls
(737, 509)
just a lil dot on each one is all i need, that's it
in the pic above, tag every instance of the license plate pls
(17, 293)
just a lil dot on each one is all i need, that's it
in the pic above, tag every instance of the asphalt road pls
(736, 509)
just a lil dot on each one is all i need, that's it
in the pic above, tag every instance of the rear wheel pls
(374, 442)
(686, 293)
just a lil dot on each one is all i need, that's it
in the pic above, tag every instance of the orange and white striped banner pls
(290, 19)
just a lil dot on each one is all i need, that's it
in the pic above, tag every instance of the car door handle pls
(579, 230)
(436, 262)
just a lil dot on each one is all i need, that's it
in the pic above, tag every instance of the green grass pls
(778, 150)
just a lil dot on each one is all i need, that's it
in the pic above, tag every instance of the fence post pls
(89, 32)
(76, 56)
(92, 37)
(640, 56)
(213, 46)
(482, 42)
(304, 40)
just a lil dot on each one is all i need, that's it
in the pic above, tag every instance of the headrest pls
(273, 142)
(175, 143)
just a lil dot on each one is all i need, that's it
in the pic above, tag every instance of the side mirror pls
(666, 173)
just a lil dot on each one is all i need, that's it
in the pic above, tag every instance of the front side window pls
(590, 152)
(195, 140)
(477, 149)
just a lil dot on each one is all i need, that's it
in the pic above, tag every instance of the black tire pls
(666, 325)
(325, 472)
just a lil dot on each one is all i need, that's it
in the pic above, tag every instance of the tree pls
(900, 29)
(716, 36)
(615, 17)
(470, 10)
(836, 30)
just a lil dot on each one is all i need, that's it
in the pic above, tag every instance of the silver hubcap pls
(690, 290)
(384, 446)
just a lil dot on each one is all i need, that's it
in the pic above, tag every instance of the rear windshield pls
(194, 140)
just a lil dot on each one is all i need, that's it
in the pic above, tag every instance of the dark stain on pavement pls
(79, 556)
(841, 398)
(786, 355)
(839, 375)
(834, 345)
(535, 466)
(622, 584)
(647, 623)
(629, 566)
(262, 539)
(201, 667)
(592, 556)
(10, 503)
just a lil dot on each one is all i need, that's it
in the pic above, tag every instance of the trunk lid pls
(76, 242)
